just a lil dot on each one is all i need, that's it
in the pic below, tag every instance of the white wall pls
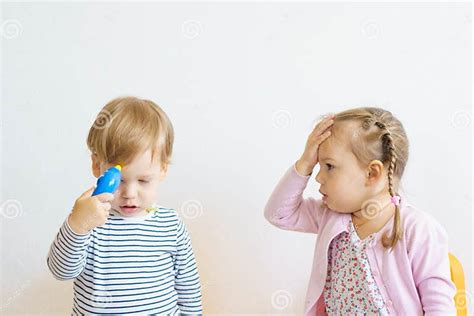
(243, 84)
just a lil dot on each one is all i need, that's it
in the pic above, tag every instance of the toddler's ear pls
(95, 165)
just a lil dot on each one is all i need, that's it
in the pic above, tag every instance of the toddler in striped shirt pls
(125, 253)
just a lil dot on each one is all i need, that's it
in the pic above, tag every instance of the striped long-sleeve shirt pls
(129, 266)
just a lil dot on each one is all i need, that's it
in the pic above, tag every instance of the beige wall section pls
(243, 84)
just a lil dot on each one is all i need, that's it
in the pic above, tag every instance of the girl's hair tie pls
(395, 200)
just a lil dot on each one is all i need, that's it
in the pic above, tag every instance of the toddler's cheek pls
(115, 204)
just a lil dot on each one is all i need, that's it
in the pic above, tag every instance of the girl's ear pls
(374, 172)
(95, 165)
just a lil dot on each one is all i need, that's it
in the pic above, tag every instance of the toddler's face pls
(139, 185)
(341, 177)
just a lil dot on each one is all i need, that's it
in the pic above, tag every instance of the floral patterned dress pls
(350, 288)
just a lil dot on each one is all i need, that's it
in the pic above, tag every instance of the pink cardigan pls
(414, 279)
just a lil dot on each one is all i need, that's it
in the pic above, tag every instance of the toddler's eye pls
(329, 166)
(143, 181)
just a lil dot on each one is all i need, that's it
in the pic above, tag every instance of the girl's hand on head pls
(90, 211)
(309, 158)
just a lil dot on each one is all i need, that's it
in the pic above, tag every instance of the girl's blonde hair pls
(380, 136)
(128, 126)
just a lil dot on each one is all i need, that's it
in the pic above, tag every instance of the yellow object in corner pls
(457, 276)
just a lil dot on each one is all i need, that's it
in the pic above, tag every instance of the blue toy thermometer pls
(109, 181)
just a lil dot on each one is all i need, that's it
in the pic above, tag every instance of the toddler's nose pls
(128, 191)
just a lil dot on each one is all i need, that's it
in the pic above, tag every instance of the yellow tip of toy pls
(119, 167)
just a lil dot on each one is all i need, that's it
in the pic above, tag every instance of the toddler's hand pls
(90, 211)
(309, 158)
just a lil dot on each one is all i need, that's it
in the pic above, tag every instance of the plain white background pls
(243, 84)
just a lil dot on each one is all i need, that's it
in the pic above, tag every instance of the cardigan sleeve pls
(428, 254)
(287, 209)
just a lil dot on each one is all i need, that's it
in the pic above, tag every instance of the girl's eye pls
(144, 181)
(329, 166)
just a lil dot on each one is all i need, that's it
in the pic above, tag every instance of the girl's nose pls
(318, 177)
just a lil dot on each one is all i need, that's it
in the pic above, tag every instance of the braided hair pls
(389, 148)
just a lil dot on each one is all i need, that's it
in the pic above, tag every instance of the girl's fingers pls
(321, 138)
(317, 140)
(323, 125)
(327, 122)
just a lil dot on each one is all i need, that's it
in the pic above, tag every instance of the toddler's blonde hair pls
(128, 126)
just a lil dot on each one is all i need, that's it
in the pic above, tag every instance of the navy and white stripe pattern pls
(129, 266)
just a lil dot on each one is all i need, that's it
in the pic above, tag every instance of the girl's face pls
(139, 185)
(342, 178)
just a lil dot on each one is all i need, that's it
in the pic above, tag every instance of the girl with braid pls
(375, 253)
